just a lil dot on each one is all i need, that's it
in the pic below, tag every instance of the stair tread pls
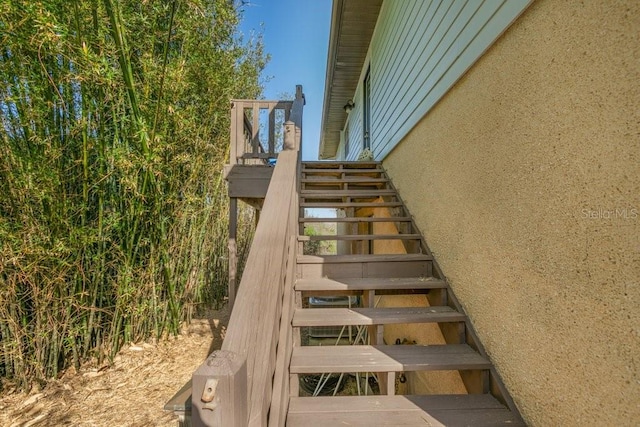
(327, 259)
(353, 284)
(347, 164)
(374, 316)
(433, 410)
(375, 191)
(351, 180)
(360, 237)
(340, 205)
(371, 173)
(358, 219)
(385, 358)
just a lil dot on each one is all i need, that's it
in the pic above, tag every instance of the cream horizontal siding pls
(418, 51)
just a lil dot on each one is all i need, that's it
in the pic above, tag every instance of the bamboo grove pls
(113, 212)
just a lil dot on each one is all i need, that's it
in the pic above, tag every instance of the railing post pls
(289, 135)
(299, 94)
(219, 391)
(233, 133)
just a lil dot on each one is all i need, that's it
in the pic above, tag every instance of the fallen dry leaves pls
(130, 392)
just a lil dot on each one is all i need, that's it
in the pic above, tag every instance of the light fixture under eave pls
(349, 106)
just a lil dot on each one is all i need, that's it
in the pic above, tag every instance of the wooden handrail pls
(234, 386)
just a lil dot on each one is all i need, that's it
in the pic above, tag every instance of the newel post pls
(289, 135)
(219, 391)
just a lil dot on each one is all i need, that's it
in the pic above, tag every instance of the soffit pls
(352, 25)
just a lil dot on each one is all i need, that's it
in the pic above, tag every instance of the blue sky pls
(296, 35)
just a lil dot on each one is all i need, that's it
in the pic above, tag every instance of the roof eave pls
(359, 16)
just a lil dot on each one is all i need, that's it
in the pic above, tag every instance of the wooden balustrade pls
(248, 146)
(238, 385)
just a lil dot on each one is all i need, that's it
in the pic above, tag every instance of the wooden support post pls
(233, 249)
(391, 383)
(219, 393)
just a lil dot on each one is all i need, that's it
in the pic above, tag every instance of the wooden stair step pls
(334, 170)
(324, 284)
(359, 237)
(346, 193)
(342, 205)
(352, 180)
(385, 358)
(481, 410)
(374, 316)
(358, 219)
(341, 259)
(345, 164)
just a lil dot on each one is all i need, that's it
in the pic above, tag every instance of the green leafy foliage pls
(113, 211)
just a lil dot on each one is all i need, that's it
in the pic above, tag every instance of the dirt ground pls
(131, 392)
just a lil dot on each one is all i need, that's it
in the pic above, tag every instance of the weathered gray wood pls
(180, 401)
(344, 172)
(376, 268)
(341, 259)
(435, 410)
(248, 181)
(258, 155)
(245, 138)
(385, 358)
(373, 419)
(252, 335)
(272, 128)
(389, 383)
(233, 249)
(374, 316)
(307, 194)
(281, 378)
(340, 165)
(354, 179)
(357, 219)
(382, 403)
(320, 286)
(233, 147)
(180, 404)
(219, 389)
(342, 205)
(251, 331)
(255, 125)
(360, 237)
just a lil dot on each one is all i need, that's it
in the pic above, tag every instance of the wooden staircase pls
(381, 253)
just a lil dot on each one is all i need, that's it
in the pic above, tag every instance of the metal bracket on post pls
(219, 393)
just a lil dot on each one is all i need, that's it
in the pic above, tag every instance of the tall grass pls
(113, 210)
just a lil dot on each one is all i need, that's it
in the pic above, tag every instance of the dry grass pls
(130, 392)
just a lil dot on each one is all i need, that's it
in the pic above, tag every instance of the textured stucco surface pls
(525, 181)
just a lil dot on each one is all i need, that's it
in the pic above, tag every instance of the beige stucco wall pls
(520, 180)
